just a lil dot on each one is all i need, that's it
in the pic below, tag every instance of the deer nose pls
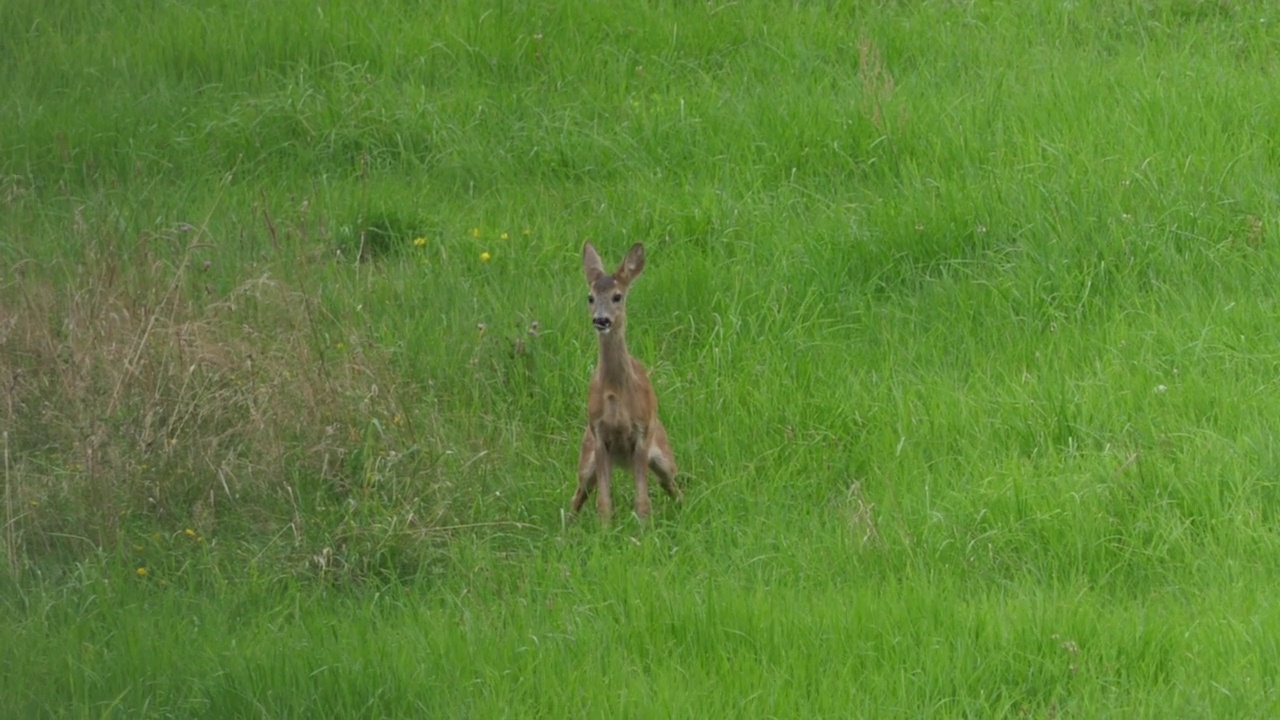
(602, 323)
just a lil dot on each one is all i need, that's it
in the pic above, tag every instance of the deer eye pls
(591, 299)
(617, 297)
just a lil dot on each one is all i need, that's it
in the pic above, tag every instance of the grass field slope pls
(963, 316)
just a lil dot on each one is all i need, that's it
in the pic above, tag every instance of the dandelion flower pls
(475, 232)
(189, 533)
(419, 242)
(141, 572)
(504, 236)
(485, 256)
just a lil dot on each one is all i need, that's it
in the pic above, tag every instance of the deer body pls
(622, 410)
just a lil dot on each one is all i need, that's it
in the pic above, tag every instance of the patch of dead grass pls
(128, 397)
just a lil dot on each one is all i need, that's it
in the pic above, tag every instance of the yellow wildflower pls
(528, 232)
(189, 533)
(504, 236)
(475, 232)
(484, 257)
(141, 572)
(420, 242)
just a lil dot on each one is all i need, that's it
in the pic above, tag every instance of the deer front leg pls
(640, 468)
(586, 471)
(604, 472)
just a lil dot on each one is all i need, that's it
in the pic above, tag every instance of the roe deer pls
(622, 409)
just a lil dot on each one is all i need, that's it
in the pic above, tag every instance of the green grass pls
(962, 317)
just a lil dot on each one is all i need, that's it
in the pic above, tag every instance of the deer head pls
(608, 294)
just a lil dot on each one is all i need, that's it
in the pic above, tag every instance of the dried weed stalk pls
(878, 88)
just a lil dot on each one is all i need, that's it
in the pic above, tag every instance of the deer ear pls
(592, 266)
(632, 265)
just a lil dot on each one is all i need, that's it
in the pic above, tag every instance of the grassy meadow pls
(963, 318)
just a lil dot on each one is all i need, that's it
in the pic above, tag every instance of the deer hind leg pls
(663, 462)
(586, 471)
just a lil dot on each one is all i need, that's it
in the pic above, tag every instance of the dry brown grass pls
(130, 395)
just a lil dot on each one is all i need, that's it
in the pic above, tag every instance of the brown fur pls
(622, 410)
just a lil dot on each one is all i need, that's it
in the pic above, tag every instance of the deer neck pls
(615, 363)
